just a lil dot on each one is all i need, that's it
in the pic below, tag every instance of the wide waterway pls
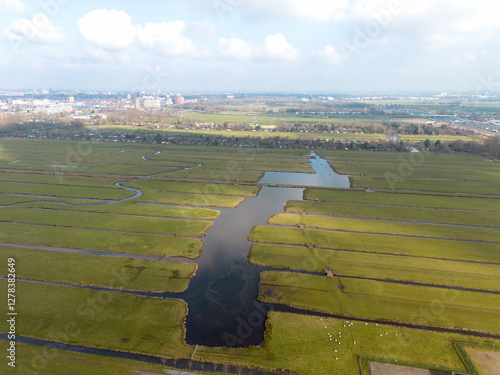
(222, 297)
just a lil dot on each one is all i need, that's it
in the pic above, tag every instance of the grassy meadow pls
(415, 241)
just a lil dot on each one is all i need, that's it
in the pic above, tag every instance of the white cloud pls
(236, 48)
(167, 38)
(277, 48)
(328, 55)
(108, 28)
(12, 5)
(37, 30)
(201, 29)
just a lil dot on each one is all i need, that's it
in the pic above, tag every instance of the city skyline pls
(250, 46)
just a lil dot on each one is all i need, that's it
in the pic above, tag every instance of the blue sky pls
(250, 45)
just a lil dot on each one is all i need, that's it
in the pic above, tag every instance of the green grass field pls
(192, 187)
(102, 271)
(137, 209)
(92, 239)
(386, 227)
(53, 179)
(202, 200)
(376, 243)
(105, 221)
(488, 173)
(378, 266)
(32, 359)
(224, 175)
(64, 191)
(401, 199)
(302, 343)
(100, 319)
(374, 268)
(416, 214)
(381, 300)
(6, 200)
(436, 186)
(360, 137)
(364, 237)
(425, 171)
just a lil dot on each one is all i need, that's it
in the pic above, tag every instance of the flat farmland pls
(423, 171)
(404, 264)
(378, 266)
(105, 221)
(208, 200)
(476, 187)
(379, 243)
(296, 341)
(197, 188)
(330, 135)
(101, 319)
(223, 175)
(100, 240)
(58, 179)
(101, 271)
(373, 299)
(129, 208)
(378, 198)
(428, 256)
(407, 214)
(13, 199)
(63, 191)
(83, 168)
(387, 227)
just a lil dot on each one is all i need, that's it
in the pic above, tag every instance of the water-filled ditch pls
(222, 298)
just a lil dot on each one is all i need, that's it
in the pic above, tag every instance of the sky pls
(300, 46)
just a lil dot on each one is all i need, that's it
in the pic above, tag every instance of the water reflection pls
(324, 176)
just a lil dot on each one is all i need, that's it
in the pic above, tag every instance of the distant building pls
(129, 96)
(137, 104)
(152, 103)
(168, 101)
(179, 99)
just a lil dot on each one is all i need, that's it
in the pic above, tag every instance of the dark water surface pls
(222, 297)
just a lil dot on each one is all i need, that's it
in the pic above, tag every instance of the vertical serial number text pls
(11, 311)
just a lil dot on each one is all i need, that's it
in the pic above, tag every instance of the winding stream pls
(222, 297)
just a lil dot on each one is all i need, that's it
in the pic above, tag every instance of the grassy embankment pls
(378, 266)
(359, 237)
(296, 342)
(100, 319)
(412, 214)
(444, 174)
(101, 271)
(292, 341)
